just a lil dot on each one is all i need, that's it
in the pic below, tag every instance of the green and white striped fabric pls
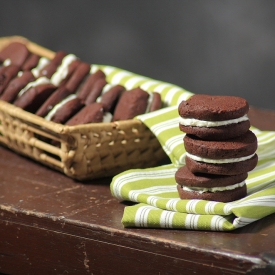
(153, 190)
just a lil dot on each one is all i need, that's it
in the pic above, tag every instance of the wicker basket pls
(82, 152)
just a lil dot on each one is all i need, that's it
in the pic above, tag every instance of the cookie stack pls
(220, 148)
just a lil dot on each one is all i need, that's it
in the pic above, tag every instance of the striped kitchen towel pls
(153, 190)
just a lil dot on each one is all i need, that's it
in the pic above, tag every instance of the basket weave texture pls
(81, 152)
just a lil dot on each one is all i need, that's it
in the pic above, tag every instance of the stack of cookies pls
(220, 148)
(67, 90)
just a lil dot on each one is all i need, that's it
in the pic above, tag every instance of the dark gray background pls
(205, 46)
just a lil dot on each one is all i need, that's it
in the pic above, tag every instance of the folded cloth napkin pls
(153, 190)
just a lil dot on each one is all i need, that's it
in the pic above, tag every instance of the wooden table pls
(50, 224)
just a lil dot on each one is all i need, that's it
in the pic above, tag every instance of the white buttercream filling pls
(149, 102)
(218, 160)
(107, 117)
(39, 81)
(203, 123)
(63, 70)
(20, 73)
(43, 61)
(7, 62)
(58, 106)
(213, 189)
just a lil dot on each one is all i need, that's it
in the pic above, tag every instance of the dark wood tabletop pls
(51, 224)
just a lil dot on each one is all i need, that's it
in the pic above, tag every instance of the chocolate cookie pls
(214, 117)
(15, 52)
(226, 157)
(110, 96)
(50, 68)
(131, 103)
(78, 76)
(64, 110)
(56, 97)
(31, 62)
(92, 113)
(16, 85)
(87, 86)
(34, 95)
(156, 102)
(65, 70)
(7, 73)
(95, 91)
(210, 187)
(232, 168)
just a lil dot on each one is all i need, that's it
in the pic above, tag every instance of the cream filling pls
(59, 105)
(37, 82)
(107, 117)
(63, 70)
(149, 102)
(207, 160)
(43, 61)
(213, 189)
(203, 123)
(7, 62)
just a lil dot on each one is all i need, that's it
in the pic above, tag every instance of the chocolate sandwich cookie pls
(95, 91)
(65, 109)
(214, 117)
(50, 68)
(210, 187)
(31, 62)
(92, 113)
(156, 102)
(225, 157)
(131, 103)
(87, 86)
(33, 96)
(7, 73)
(63, 72)
(110, 96)
(16, 85)
(79, 74)
(42, 63)
(56, 97)
(15, 53)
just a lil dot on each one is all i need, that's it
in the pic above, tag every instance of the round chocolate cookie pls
(232, 168)
(210, 187)
(67, 108)
(131, 103)
(56, 97)
(88, 84)
(220, 196)
(7, 73)
(217, 133)
(238, 147)
(185, 177)
(92, 113)
(15, 86)
(214, 117)
(110, 98)
(16, 52)
(226, 157)
(34, 97)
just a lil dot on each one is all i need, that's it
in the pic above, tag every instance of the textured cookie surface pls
(232, 168)
(213, 108)
(242, 146)
(185, 177)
